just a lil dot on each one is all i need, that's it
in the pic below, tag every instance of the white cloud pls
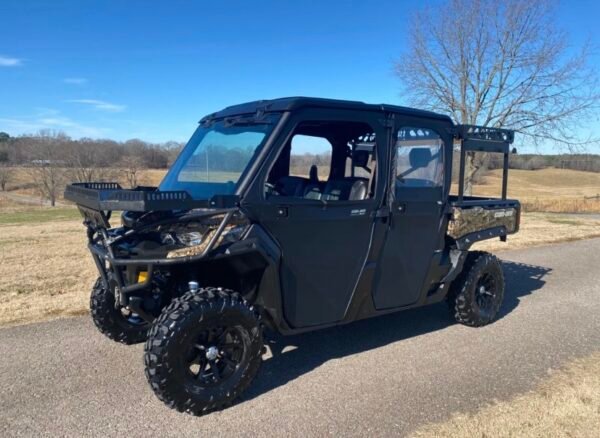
(100, 105)
(6, 61)
(16, 126)
(75, 81)
(42, 111)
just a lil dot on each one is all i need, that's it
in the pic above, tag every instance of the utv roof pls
(294, 103)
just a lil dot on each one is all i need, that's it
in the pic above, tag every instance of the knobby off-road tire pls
(203, 350)
(114, 323)
(476, 295)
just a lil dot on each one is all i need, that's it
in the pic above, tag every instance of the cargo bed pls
(479, 218)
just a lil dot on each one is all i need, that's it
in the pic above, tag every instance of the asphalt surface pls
(384, 376)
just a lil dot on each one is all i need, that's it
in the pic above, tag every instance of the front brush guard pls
(100, 244)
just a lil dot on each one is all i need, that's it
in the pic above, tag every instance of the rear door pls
(414, 233)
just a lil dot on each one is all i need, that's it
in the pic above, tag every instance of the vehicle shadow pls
(293, 356)
(521, 280)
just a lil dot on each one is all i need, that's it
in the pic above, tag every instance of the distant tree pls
(501, 64)
(6, 174)
(86, 161)
(131, 166)
(46, 166)
(172, 149)
(4, 138)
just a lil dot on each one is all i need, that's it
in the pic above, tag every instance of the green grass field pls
(38, 215)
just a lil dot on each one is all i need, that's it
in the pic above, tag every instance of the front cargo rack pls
(107, 196)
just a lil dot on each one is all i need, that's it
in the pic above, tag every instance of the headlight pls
(188, 239)
(192, 248)
(194, 240)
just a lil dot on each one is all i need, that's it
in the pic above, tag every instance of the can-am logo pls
(503, 213)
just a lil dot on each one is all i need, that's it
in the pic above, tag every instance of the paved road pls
(381, 377)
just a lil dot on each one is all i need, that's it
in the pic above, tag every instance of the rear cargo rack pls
(483, 139)
(103, 196)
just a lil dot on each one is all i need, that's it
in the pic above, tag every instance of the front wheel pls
(477, 293)
(120, 325)
(203, 350)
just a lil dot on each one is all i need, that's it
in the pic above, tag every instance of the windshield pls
(214, 159)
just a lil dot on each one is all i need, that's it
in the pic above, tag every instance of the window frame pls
(373, 119)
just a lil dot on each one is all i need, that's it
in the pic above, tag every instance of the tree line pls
(583, 162)
(51, 159)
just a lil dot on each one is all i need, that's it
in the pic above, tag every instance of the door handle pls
(400, 208)
(282, 212)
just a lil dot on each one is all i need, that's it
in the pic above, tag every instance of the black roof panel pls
(293, 103)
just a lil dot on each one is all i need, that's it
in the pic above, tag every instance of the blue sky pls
(151, 70)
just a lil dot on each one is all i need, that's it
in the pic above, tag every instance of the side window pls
(325, 160)
(309, 152)
(419, 158)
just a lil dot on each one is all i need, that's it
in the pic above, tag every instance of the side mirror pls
(419, 157)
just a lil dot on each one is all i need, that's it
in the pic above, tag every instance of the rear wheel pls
(120, 325)
(203, 350)
(477, 293)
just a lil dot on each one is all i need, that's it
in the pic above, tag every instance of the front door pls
(414, 231)
(323, 252)
(319, 204)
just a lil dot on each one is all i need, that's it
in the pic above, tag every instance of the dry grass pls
(9, 205)
(567, 404)
(45, 271)
(546, 190)
(545, 228)
(562, 205)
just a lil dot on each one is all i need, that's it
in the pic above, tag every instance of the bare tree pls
(46, 165)
(86, 161)
(6, 174)
(502, 64)
(131, 165)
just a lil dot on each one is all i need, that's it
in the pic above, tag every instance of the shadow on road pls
(294, 356)
(521, 279)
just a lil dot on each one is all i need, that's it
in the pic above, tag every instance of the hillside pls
(542, 184)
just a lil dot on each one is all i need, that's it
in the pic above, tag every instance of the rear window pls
(419, 158)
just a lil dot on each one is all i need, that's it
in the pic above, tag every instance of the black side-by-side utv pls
(292, 214)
